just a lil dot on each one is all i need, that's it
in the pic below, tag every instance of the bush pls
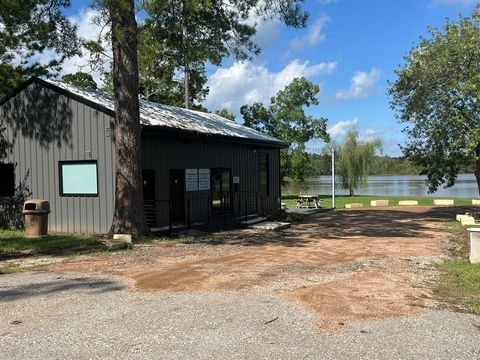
(11, 207)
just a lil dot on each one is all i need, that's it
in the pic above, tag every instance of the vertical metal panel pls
(163, 152)
(87, 139)
(84, 130)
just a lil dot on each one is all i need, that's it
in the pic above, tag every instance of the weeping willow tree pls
(354, 160)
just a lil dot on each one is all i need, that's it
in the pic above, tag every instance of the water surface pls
(396, 185)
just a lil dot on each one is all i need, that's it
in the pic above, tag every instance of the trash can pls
(35, 216)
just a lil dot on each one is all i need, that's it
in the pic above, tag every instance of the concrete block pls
(475, 202)
(443, 202)
(474, 245)
(353, 205)
(123, 237)
(467, 220)
(119, 241)
(408, 202)
(376, 203)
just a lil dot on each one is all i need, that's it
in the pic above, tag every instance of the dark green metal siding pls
(162, 153)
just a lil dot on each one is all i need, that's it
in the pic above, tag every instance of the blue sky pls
(351, 48)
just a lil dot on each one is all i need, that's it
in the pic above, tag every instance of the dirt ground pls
(346, 265)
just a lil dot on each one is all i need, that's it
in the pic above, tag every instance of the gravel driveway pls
(49, 315)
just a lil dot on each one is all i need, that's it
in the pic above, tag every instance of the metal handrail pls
(191, 201)
(227, 199)
(247, 197)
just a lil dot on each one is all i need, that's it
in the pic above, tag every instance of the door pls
(149, 196)
(221, 190)
(177, 195)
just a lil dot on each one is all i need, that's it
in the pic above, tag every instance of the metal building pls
(196, 166)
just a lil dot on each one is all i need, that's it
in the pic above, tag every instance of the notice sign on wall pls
(191, 179)
(203, 179)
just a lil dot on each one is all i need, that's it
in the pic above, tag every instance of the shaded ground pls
(345, 265)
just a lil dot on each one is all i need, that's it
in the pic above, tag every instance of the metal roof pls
(170, 117)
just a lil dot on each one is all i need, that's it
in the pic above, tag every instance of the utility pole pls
(333, 177)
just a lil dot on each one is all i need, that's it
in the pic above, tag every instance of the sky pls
(351, 48)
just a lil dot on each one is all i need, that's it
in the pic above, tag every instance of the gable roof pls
(159, 116)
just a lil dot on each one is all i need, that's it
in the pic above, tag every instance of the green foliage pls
(11, 207)
(386, 165)
(28, 28)
(226, 114)
(177, 38)
(286, 120)
(81, 79)
(437, 96)
(381, 165)
(354, 160)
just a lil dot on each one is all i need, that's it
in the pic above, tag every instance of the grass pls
(15, 267)
(459, 282)
(13, 241)
(341, 200)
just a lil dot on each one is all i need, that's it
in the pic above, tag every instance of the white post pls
(333, 177)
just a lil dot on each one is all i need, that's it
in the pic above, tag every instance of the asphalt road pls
(59, 316)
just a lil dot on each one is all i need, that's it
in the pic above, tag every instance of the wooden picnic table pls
(304, 201)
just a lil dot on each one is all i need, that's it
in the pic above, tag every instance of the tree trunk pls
(351, 192)
(477, 166)
(129, 215)
(186, 85)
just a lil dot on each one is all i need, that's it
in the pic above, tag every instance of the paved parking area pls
(60, 316)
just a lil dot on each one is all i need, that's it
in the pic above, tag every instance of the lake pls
(395, 185)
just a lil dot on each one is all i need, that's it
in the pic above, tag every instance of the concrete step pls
(249, 216)
(270, 225)
(253, 220)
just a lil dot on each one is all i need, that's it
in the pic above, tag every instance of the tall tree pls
(437, 95)
(285, 119)
(81, 79)
(188, 33)
(29, 28)
(354, 160)
(129, 215)
(226, 114)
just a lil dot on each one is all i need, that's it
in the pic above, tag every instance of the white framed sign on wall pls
(203, 179)
(191, 179)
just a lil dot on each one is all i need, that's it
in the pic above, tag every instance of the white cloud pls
(340, 128)
(372, 133)
(361, 85)
(246, 83)
(86, 29)
(452, 2)
(267, 30)
(314, 35)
